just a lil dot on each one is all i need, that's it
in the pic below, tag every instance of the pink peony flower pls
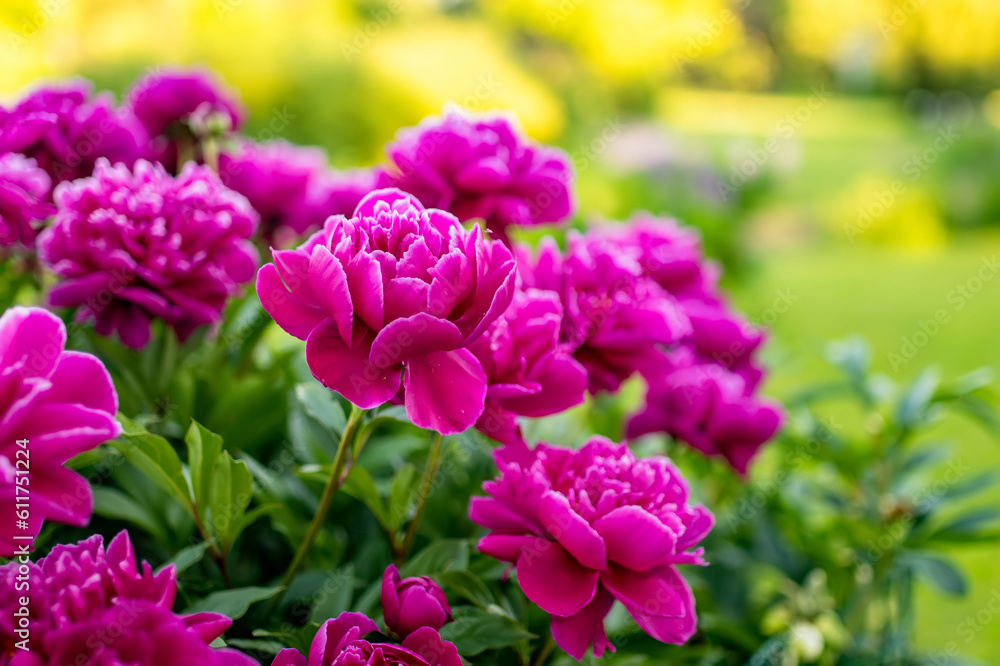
(91, 608)
(391, 297)
(481, 166)
(66, 130)
(411, 603)
(528, 370)
(335, 193)
(57, 404)
(275, 179)
(708, 406)
(587, 527)
(616, 318)
(24, 191)
(132, 246)
(340, 642)
(168, 102)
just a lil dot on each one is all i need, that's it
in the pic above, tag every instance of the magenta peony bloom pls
(481, 166)
(24, 192)
(708, 406)
(66, 130)
(91, 608)
(411, 603)
(340, 642)
(63, 403)
(528, 370)
(275, 179)
(615, 316)
(391, 297)
(587, 527)
(130, 246)
(669, 254)
(163, 98)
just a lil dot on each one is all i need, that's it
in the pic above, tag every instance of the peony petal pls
(572, 532)
(660, 601)
(506, 547)
(494, 515)
(329, 282)
(554, 580)
(364, 275)
(347, 370)
(445, 391)
(409, 338)
(579, 631)
(34, 336)
(295, 316)
(433, 649)
(289, 657)
(635, 538)
(334, 634)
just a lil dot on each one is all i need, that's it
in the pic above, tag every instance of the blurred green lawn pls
(883, 295)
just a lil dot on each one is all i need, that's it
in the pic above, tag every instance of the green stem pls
(547, 649)
(433, 462)
(326, 499)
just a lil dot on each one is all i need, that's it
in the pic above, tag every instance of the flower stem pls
(326, 499)
(546, 650)
(433, 462)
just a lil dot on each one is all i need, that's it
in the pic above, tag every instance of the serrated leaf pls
(156, 458)
(203, 448)
(232, 603)
(319, 402)
(475, 630)
(230, 495)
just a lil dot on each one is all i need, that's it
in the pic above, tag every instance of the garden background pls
(841, 157)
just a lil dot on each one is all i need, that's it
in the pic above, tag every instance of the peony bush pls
(415, 414)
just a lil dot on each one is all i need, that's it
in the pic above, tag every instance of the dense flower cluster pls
(133, 245)
(57, 403)
(704, 390)
(587, 527)
(66, 130)
(392, 297)
(24, 192)
(529, 371)
(615, 317)
(95, 608)
(291, 188)
(481, 167)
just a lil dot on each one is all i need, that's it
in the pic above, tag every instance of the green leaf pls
(203, 448)
(232, 603)
(361, 486)
(938, 571)
(190, 556)
(476, 630)
(320, 403)
(229, 497)
(438, 557)
(156, 458)
(260, 645)
(468, 586)
(334, 596)
(113, 503)
(912, 408)
(400, 494)
(977, 526)
(249, 518)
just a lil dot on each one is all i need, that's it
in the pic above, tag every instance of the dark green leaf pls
(938, 571)
(113, 503)
(468, 586)
(321, 404)
(334, 596)
(400, 495)
(361, 486)
(190, 556)
(156, 458)
(476, 630)
(230, 495)
(439, 556)
(232, 603)
(203, 448)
